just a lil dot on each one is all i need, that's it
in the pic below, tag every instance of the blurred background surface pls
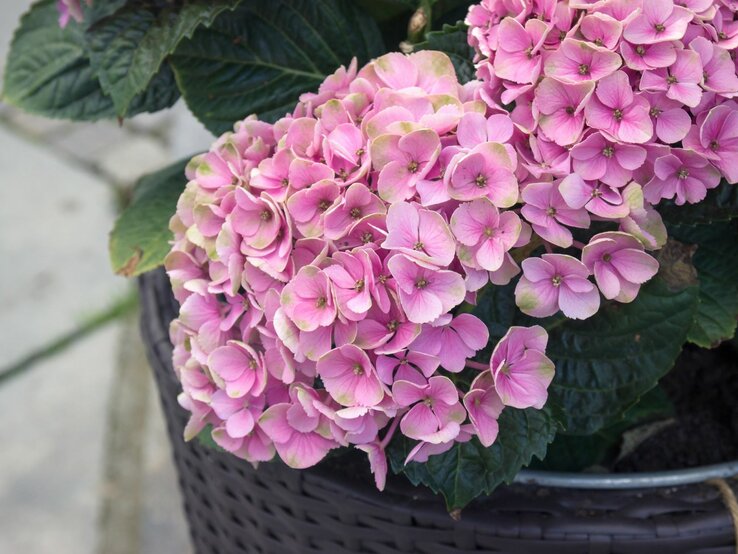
(85, 463)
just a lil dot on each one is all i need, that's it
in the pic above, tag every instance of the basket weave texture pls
(232, 508)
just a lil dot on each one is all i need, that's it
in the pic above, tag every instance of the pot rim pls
(640, 480)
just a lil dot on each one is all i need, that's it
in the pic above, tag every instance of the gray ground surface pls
(85, 464)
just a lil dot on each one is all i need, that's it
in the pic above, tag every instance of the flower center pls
(266, 215)
(556, 281)
(367, 237)
(480, 181)
(655, 112)
(359, 286)
(383, 279)
(489, 232)
(562, 35)
(428, 402)
(253, 364)
(412, 167)
(596, 193)
(714, 145)
(641, 50)
(599, 42)
(419, 246)
(403, 362)
(660, 28)
(618, 114)
(324, 205)
(505, 368)
(358, 370)
(722, 35)
(607, 257)
(360, 152)
(671, 80)
(529, 52)
(355, 213)
(608, 151)
(421, 283)
(343, 174)
(683, 173)
(570, 110)
(321, 302)
(583, 69)
(551, 211)
(285, 182)
(393, 325)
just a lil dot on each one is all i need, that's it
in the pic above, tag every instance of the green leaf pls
(721, 204)
(382, 10)
(140, 239)
(94, 12)
(468, 469)
(129, 47)
(716, 261)
(452, 40)
(263, 56)
(49, 72)
(579, 452)
(606, 363)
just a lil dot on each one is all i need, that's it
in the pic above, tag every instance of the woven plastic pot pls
(232, 508)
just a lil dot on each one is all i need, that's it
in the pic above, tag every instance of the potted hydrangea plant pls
(441, 265)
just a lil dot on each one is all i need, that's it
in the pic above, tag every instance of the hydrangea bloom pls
(326, 264)
(320, 261)
(638, 97)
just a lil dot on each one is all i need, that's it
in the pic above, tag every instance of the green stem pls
(118, 309)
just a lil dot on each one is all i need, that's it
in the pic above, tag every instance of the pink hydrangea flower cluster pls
(320, 262)
(618, 105)
(616, 92)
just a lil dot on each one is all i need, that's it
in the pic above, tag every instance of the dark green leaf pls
(721, 204)
(716, 261)
(382, 10)
(129, 47)
(450, 11)
(49, 72)
(260, 58)
(578, 452)
(605, 363)
(95, 11)
(468, 469)
(452, 40)
(140, 239)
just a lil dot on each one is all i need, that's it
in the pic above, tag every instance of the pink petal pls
(274, 423)
(229, 362)
(579, 305)
(419, 422)
(636, 266)
(240, 424)
(536, 299)
(607, 280)
(526, 383)
(406, 393)
(575, 191)
(304, 450)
